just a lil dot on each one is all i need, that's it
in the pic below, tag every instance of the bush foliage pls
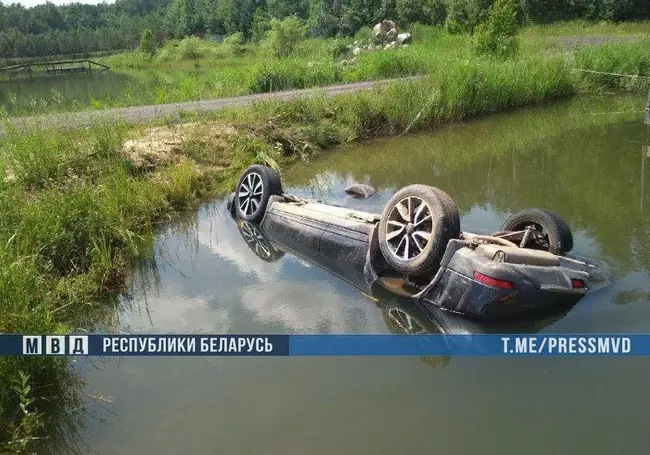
(497, 35)
(284, 36)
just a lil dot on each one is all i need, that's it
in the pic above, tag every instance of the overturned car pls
(416, 248)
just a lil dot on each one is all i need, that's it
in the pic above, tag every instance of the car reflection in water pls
(402, 314)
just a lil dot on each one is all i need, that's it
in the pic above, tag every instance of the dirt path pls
(144, 114)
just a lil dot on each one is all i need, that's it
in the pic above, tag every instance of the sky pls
(29, 3)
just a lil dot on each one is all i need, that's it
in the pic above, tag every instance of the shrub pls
(284, 36)
(463, 16)
(365, 35)
(235, 42)
(338, 48)
(190, 48)
(147, 42)
(497, 35)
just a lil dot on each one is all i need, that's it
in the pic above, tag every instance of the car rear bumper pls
(462, 294)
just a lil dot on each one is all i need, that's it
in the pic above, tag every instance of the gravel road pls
(143, 114)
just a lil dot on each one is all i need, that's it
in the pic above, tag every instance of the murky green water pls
(47, 94)
(574, 158)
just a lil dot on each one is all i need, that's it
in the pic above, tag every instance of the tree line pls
(47, 29)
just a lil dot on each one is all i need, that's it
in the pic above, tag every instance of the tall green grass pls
(467, 89)
(75, 215)
(614, 66)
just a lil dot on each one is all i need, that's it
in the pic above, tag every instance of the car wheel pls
(256, 185)
(451, 210)
(258, 242)
(551, 233)
(400, 322)
(415, 227)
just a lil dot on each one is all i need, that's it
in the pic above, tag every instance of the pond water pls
(584, 159)
(45, 94)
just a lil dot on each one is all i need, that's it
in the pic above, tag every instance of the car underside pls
(416, 248)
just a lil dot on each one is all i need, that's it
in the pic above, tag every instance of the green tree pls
(6, 46)
(241, 16)
(3, 18)
(435, 11)
(423, 11)
(284, 36)
(388, 9)
(224, 16)
(183, 18)
(497, 35)
(360, 13)
(410, 11)
(147, 42)
(325, 17)
(463, 16)
(209, 11)
(260, 25)
(279, 9)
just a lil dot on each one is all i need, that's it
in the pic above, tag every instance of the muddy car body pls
(483, 276)
(392, 295)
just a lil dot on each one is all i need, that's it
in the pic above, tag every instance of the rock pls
(360, 191)
(388, 25)
(390, 46)
(356, 51)
(391, 34)
(404, 38)
(383, 28)
(377, 30)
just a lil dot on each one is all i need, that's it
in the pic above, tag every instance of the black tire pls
(258, 242)
(230, 205)
(251, 207)
(451, 210)
(556, 236)
(405, 249)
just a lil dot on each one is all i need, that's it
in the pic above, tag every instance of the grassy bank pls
(79, 207)
(192, 69)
